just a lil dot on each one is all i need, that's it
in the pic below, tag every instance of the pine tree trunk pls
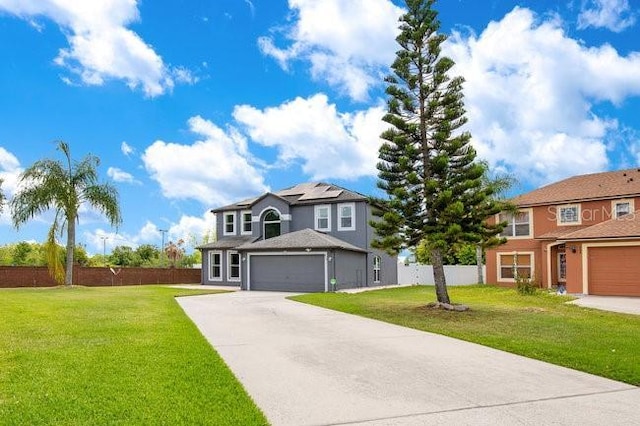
(479, 263)
(71, 242)
(438, 276)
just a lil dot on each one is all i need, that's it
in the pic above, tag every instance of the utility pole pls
(104, 249)
(162, 231)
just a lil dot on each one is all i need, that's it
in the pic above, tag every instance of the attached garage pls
(296, 272)
(614, 271)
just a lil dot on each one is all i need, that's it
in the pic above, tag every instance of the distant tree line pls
(145, 255)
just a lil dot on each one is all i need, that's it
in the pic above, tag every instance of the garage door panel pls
(614, 271)
(298, 273)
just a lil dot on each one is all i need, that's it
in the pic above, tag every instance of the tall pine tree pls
(427, 166)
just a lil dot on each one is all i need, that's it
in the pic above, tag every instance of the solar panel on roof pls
(316, 195)
(300, 189)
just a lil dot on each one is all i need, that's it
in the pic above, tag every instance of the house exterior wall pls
(224, 265)
(516, 246)
(303, 217)
(349, 268)
(544, 221)
(574, 268)
(259, 210)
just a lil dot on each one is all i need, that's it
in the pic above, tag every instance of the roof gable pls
(304, 193)
(606, 185)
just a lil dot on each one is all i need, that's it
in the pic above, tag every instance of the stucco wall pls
(350, 269)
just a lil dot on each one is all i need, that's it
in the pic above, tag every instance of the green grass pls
(540, 326)
(111, 356)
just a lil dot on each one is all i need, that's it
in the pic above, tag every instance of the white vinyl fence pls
(454, 274)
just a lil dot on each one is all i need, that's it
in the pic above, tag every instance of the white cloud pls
(120, 175)
(191, 229)
(183, 75)
(101, 47)
(329, 144)
(10, 170)
(214, 171)
(9, 173)
(126, 148)
(615, 15)
(349, 44)
(530, 93)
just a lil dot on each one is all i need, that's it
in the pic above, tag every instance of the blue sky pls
(191, 104)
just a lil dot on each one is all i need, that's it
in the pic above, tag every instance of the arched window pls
(271, 224)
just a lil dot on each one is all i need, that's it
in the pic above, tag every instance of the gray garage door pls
(303, 273)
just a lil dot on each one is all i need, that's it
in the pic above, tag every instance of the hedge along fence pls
(38, 276)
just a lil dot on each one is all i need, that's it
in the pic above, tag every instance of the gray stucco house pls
(299, 239)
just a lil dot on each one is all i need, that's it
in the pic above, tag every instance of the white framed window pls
(621, 208)
(215, 266)
(518, 225)
(233, 266)
(515, 264)
(347, 217)
(377, 263)
(322, 217)
(229, 223)
(569, 215)
(246, 227)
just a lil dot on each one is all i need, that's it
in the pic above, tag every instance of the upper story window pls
(569, 214)
(322, 218)
(229, 223)
(246, 223)
(347, 217)
(622, 208)
(271, 224)
(518, 224)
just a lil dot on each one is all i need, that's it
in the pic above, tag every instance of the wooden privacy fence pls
(38, 276)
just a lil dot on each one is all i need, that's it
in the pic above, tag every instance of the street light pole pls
(104, 250)
(163, 231)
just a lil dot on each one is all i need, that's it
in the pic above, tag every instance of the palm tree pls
(63, 187)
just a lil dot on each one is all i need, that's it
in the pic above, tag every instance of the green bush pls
(526, 285)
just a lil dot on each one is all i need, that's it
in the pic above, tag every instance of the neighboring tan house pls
(300, 239)
(582, 232)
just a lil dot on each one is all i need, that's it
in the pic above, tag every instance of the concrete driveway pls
(625, 305)
(305, 365)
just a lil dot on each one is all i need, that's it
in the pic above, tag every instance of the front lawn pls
(111, 355)
(541, 326)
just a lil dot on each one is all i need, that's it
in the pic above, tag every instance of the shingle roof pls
(594, 186)
(628, 226)
(560, 232)
(304, 193)
(303, 239)
(227, 242)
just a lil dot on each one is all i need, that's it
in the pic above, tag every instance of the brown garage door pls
(614, 271)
